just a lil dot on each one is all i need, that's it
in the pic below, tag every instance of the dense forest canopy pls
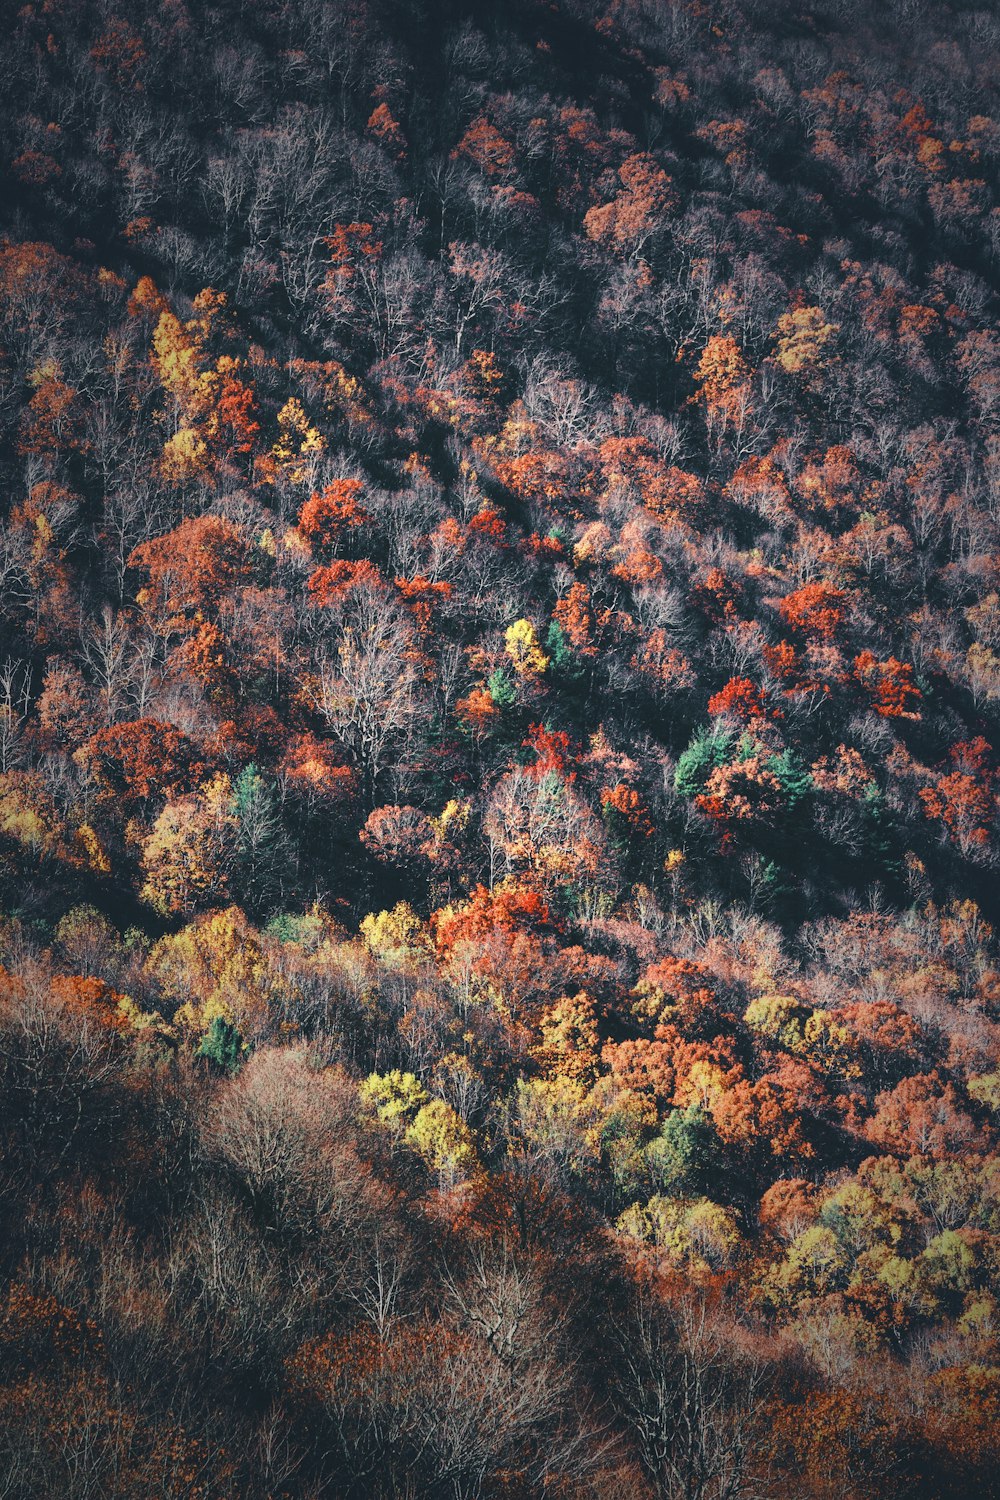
(499, 728)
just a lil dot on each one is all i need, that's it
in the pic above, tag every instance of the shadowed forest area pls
(499, 727)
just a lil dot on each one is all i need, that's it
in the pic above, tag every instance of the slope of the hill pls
(499, 713)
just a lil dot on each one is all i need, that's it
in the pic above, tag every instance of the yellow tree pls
(802, 337)
(445, 1142)
(526, 655)
(185, 856)
(215, 968)
(723, 379)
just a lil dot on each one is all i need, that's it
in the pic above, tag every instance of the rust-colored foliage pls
(484, 145)
(890, 684)
(190, 568)
(922, 1116)
(139, 761)
(964, 799)
(574, 615)
(329, 517)
(624, 808)
(740, 699)
(551, 751)
(816, 610)
(332, 585)
(499, 683)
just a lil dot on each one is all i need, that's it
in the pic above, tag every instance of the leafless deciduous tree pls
(694, 1400)
(366, 688)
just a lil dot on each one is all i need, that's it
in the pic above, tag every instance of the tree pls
(625, 814)
(638, 211)
(367, 691)
(539, 824)
(444, 1141)
(386, 130)
(479, 713)
(397, 1097)
(330, 516)
(746, 790)
(741, 701)
(402, 836)
(221, 1045)
(260, 850)
(190, 569)
(891, 685)
(816, 609)
(64, 705)
(723, 385)
(802, 337)
(568, 1039)
(681, 1158)
(963, 800)
(296, 456)
(138, 761)
(501, 941)
(526, 655)
(232, 428)
(694, 1400)
(922, 1116)
(186, 858)
(573, 616)
(706, 753)
(63, 1053)
(398, 937)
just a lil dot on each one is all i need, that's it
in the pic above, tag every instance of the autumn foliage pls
(499, 724)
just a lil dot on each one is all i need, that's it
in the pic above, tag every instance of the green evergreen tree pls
(796, 782)
(563, 660)
(222, 1045)
(680, 1158)
(709, 749)
(501, 689)
(261, 847)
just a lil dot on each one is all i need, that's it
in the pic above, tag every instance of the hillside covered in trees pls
(499, 750)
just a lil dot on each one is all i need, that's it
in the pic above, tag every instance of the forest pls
(500, 750)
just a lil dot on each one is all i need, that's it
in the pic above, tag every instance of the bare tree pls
(693, 1395)
(367, 690)
(15, 696)
(106, 649)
